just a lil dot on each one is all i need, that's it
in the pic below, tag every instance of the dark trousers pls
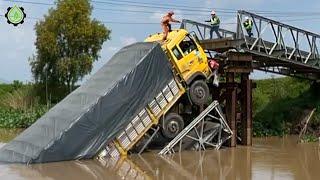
(216, 30)
(249, 31)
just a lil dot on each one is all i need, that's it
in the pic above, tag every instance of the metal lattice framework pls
(278, 40)
(276, 47)
(203, 30)
(196, 132)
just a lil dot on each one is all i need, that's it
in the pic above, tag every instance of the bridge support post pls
(231, 102)
(246, 109)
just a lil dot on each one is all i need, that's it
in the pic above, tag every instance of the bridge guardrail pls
(279, 40)
(203, 30)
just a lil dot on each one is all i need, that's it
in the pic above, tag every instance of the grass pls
(7, 135)
(19, 105)
(5, 88)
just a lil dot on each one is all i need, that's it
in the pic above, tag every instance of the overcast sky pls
(17, 43)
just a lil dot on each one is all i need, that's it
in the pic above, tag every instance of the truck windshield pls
(177, 53)
(187, 45)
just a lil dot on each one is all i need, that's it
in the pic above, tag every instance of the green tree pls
(68, 42)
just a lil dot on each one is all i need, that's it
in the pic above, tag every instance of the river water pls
(268, 158)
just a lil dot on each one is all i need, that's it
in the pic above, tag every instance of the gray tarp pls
(91, 116)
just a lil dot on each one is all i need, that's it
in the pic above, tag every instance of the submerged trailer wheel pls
(199, 92)
(172, 125)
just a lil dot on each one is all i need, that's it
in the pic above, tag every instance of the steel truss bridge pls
(274, 47)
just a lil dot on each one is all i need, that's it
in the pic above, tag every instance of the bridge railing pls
(203, 30)
(273, 38)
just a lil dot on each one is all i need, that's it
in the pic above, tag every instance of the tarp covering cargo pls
(91, 116)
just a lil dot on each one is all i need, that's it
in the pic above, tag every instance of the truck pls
(170, 109)
(145, 92)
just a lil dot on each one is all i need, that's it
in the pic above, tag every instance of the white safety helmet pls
(213, 12)
(246, 18)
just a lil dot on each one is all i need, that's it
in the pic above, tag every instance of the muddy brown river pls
(269, 158)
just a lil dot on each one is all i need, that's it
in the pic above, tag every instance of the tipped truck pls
(115, 108)
(191, 74)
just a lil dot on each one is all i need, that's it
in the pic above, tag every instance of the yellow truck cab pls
(189, 61)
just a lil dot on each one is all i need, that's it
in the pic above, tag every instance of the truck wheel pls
(172, 125)
(199, 92)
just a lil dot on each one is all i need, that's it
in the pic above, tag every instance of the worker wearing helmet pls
(215, 24)
(165, 24)
(248, 25)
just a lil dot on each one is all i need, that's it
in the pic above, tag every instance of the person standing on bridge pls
(165, 24)
(215, 24)
(248, 25)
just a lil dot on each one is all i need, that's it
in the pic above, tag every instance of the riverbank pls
(281, 105)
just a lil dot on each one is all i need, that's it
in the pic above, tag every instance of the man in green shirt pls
(215, 23)
(248, 25)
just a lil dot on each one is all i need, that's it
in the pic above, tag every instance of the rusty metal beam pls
(246, 109)
(231, 101)
(239, 62)
(236, 56)
(220, 45)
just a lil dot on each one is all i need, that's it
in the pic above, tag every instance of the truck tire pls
(171, 125)
(199, 92)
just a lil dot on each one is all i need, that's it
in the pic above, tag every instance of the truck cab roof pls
(174, 37)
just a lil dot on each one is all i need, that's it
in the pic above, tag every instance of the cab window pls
(187, 45)
(177, 53)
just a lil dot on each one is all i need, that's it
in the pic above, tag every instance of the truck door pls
(187, 55)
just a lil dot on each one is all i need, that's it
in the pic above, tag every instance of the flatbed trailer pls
(148, 117)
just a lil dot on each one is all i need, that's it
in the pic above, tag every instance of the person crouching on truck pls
(165, 24)
(215, 24)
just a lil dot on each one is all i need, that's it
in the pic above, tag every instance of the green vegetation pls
(281, 104)
(68, 43)
(19, 105)
(20, 119)
(309, 138)
(5, 88)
